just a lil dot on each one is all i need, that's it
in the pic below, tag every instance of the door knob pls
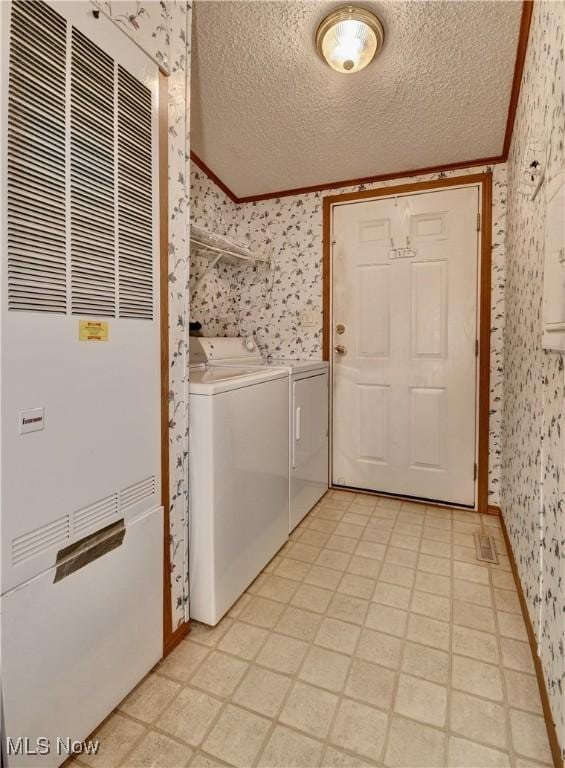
(340, 349)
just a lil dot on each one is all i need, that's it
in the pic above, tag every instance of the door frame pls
(484, 180)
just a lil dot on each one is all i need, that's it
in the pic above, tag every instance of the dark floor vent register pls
(485, 548)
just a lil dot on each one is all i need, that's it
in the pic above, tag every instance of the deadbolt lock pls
(340, 328)
(340, 349)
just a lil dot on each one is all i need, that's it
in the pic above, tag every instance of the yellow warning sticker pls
(93, 330)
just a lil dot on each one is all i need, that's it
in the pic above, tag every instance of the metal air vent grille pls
(36, 160)
(42, 539)
(96, 515)
(135, 198)
(93, 258)
(137, 492)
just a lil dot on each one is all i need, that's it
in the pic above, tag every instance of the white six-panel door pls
(404, 282)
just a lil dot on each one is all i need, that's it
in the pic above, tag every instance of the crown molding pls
(212, 176)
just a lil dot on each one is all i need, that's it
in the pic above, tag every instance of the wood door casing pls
(485, 182)
(171, 637)
(405, 375)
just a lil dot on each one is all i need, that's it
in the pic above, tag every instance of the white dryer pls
(238, 481)
(308, 413)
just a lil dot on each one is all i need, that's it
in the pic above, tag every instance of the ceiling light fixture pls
(349, 39)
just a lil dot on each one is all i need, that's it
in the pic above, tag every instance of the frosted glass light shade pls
(349, 39)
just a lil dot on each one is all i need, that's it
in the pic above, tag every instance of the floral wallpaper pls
(162, 29)
(533, 451)
(228, 301)
(213, 292)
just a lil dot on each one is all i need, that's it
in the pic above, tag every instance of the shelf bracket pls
(207, 271)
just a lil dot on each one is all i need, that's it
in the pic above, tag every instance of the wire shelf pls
(221, 248)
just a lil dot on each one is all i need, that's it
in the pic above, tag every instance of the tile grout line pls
(506, 702)
(274, 720)
(339, 703)
(404, 640)
(321, 615)
(326, 742)
(450, 659)
(422, 517)
(341, 696)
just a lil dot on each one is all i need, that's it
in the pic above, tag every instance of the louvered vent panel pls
(36, 160)
(93, 258)
(96, 515)
(135, 199)
(133, 494)
(42, 539)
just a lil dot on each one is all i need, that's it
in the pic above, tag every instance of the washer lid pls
(216, 379)
(299, 366)
(239, 352)
(291, 366)
(207, 349)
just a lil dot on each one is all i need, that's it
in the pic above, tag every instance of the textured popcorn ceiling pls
(268, 114)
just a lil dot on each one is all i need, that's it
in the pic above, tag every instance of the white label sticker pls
(32, 420)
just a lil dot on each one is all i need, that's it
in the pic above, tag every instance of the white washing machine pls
(238, 481)
(308, 414)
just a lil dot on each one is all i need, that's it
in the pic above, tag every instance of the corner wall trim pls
(549, 722)
(521, 50)
(212, 176)
(164, 351)
(176, 637)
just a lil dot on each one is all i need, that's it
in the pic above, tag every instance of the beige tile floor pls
(373, 638)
